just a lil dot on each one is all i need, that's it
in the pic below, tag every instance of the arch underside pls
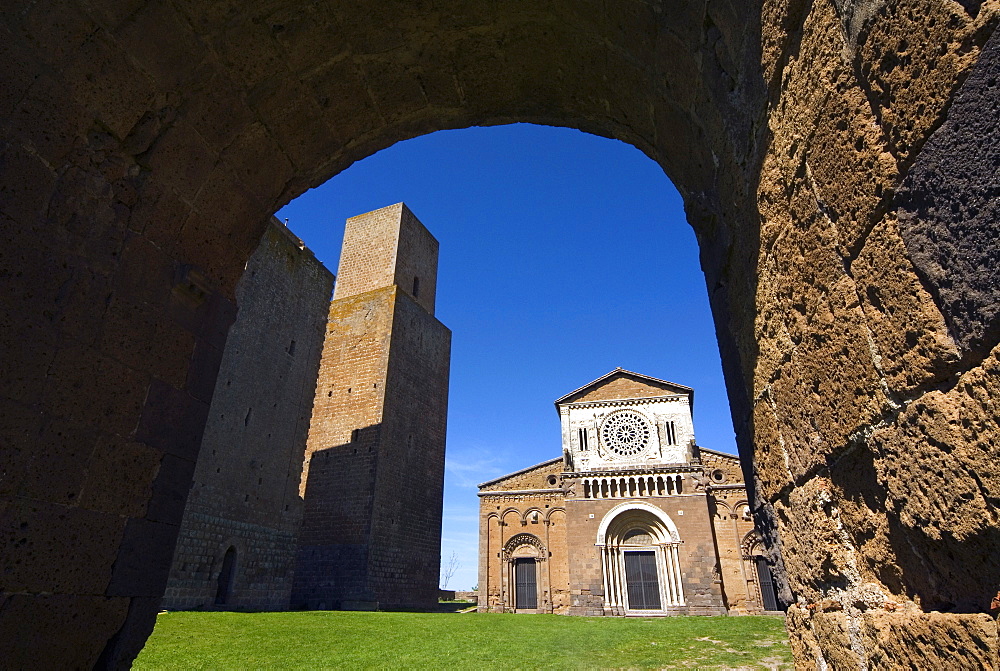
(836, 169)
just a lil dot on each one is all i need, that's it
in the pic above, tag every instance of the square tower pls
(374, 471)
(388, 247)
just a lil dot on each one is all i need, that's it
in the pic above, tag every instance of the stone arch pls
(524, 539)
(527, 514)
(551, 511)
(618, 519)
(638, 531)
(722, 507)
(132, 142)
(751, 542)
(511, 512)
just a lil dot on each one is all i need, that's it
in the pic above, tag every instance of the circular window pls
(718, 475)
(626, 433)
(552, 480)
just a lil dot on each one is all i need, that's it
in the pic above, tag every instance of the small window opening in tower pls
(416, 287)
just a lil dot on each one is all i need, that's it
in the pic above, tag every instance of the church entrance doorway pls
(768, 597)
(640, 559)
(641, 581)
(525, 584)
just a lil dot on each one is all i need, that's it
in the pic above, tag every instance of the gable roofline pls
(735, 457)
(682, 388)
(523, 470)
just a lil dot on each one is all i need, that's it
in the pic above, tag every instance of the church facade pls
(633, 519)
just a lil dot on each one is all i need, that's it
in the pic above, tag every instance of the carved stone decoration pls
(518, 540)
(626, 433)
(700, 481)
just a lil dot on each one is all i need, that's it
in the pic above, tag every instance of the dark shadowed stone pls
(143, 559)
(172, 421)
(949, 207)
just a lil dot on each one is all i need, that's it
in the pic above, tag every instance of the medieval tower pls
(374, 466)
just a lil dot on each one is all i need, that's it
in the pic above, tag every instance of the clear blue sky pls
(563, 255)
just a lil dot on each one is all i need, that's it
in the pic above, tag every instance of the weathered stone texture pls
(860, 387)
(949, 205)
(245, 492)
(374, 474)
(144, 145)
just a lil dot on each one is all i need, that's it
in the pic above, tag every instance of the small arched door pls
(764, 591)
(227, 573)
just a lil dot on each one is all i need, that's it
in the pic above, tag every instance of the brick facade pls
(562, 517)
(374, 472)
(245, 493)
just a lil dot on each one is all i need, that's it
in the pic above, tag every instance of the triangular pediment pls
(532, 477)
(623, 384)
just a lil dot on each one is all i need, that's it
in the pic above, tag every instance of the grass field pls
(351, 640)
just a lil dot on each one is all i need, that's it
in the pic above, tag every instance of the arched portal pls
(760, 580)
(639, 560)
(525, 586)
(144, 149)
(838, 164)
(226, 578)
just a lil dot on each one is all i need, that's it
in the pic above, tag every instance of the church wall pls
(700, 578)
(732, 525)
(503, 516)
(622, 388)
(245, 488)
(558, 543)
(536, 477)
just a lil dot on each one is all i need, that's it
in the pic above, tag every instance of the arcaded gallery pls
(635, 518)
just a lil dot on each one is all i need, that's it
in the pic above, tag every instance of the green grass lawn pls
(351, 640)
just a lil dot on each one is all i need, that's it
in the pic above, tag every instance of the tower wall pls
(385, 247)
(373, 480)
(245, 492)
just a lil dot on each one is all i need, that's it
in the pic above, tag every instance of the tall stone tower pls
(374, 468)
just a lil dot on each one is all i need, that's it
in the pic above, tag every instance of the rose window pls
(626, 433)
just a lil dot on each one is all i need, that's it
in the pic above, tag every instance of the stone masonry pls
(552, 515)
(374, 473)
(245, 493)
(838, 161)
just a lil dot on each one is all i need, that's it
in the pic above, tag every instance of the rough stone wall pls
(245, 492)
(728, 466)
(534, 477)
(837, 161)
(873, 384)
(374, 475)
(503, 516)
(698, 560)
